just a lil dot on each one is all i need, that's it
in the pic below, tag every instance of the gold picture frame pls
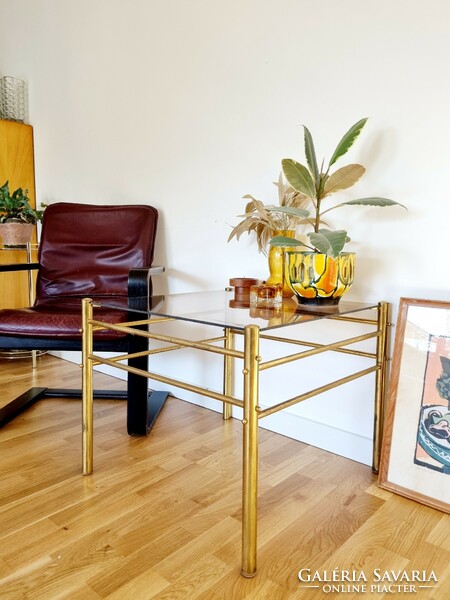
(415, 452)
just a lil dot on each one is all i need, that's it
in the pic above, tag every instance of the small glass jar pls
(266, 296)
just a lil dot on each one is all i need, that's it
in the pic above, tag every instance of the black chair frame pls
(143, 407)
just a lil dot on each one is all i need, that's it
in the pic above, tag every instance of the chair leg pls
(17, 406)
(142, 408)
(142, 414)
(155, 403)
(11, 410)
(137, 405)
(76, 393)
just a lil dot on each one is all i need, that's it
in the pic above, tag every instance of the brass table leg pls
(87, 388)
(228, 373)
(380, 383)
(250, 450)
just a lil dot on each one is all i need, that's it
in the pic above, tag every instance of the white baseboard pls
(338, 441)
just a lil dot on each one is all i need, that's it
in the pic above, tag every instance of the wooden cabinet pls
(16, 166)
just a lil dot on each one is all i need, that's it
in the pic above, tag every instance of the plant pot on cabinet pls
(319, 279)
(16, 234)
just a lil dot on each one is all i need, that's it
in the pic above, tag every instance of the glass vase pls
(276, 263)
(12, 99)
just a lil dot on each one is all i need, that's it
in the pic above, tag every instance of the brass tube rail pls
(228, 372)
(168, 338)
(169, 380)
(178, 347)
(324, 388)
(354, 319)
(317, 345)
(156, 350)
(152, 321)
(322, 348)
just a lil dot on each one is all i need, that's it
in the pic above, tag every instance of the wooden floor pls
(160, 517)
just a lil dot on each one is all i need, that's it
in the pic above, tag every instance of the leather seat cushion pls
(57, 317)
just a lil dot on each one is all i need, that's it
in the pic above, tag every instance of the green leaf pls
(323, 178)
(343, 178)
(310, 154)
(347, 141)
(299, 177)
(283, 241)
(372, 202)
(329, 242)
(302, 213)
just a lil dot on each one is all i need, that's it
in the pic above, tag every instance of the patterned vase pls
(318, 278)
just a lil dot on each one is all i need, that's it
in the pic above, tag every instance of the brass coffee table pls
(213, 309)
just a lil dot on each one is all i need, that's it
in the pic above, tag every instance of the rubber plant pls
(317, 184)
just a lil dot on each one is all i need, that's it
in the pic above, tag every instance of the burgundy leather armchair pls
(91, 251)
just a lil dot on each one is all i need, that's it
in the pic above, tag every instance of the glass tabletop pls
(217, 308)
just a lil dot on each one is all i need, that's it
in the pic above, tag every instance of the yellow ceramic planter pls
(318, 278)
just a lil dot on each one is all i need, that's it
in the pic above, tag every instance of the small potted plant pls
(267, 221)
(321, 272)
(17, 217)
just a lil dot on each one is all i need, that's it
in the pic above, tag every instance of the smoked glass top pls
(218, 308)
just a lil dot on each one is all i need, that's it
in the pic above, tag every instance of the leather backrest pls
(88, 250)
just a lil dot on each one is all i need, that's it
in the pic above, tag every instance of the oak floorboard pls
(160, 517)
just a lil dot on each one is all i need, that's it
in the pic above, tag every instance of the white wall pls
(190, 105)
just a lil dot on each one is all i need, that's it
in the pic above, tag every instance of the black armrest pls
(19, 267)
(140, 283)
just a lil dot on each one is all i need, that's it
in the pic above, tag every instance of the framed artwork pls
(415, 452)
